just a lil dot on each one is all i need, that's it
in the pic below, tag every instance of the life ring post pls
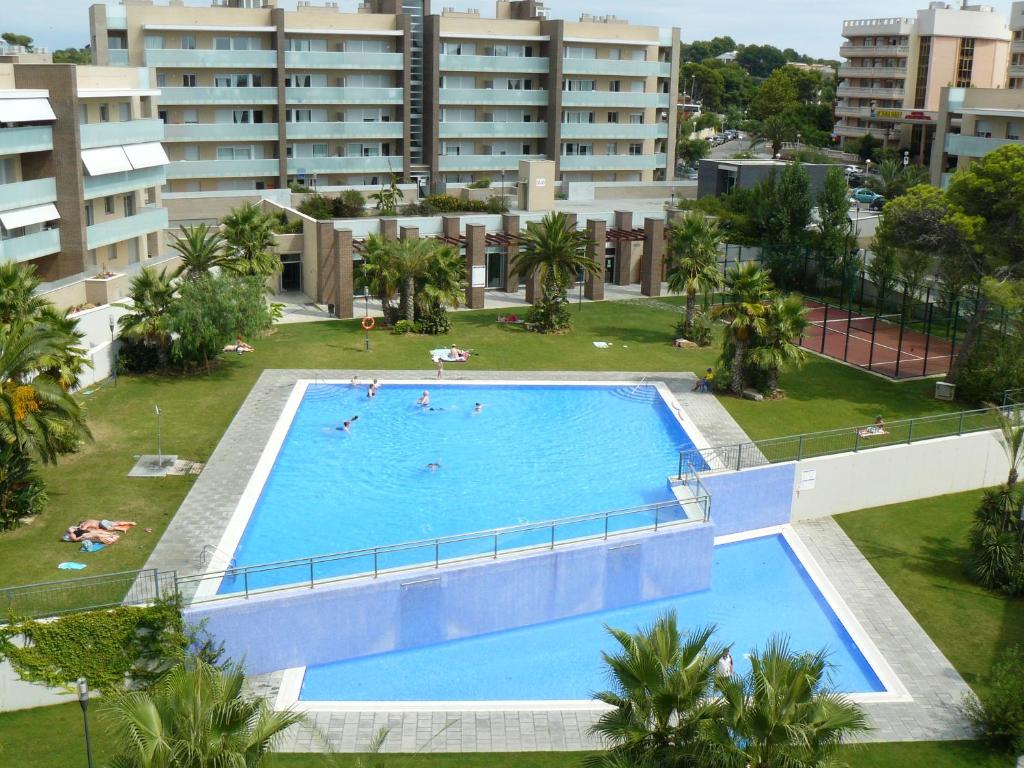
(368, 323)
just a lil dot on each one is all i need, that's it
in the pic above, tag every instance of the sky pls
(812, 28)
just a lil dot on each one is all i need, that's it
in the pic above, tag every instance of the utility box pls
(536, 185)
(944, 390)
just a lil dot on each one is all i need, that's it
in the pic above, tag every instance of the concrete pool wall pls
(347, 620)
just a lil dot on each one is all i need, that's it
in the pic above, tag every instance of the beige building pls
(895, 69)
(257, 97)
(81, 167)
(973, 122)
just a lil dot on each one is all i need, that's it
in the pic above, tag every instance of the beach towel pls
(447, 356)
(91, 546)
(602, 344)
(71, 566)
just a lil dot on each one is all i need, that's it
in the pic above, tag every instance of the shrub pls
(434, 322)
(350, 205)
(701, 332)
(135, 356)
(994, 366)
(22, 493)
(483, 183)
(997, 553)
(317, 207)
(550, 316)
(448, 204)
(282, 226)
(496, 204)
(997, 715)
(402, 327)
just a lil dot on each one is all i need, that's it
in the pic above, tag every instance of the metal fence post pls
(437, 553)
(657, 514)
(856, 441)
(495, 546)
(375, 563)
(739, 456)
(960, 429)
(800, 448)
(311, 573)
(910, 432)
(245, 580)
(552, 536)
(606, 527)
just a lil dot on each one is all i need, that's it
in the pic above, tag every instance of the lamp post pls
(83, 700)
(366, 313)
(906, 157)
(113, 352)
(159, 453)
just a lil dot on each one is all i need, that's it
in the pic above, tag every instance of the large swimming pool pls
(532, 453)
(759, 589)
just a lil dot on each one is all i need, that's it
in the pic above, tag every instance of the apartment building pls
(81, 167)
(973, 122)
(257, 97)
(1015, 72)
(895, 68)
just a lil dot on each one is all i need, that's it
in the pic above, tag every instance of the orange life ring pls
(368, 323)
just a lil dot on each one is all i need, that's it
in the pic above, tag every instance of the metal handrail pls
(437, 543)
(209, 547)
(829, 442)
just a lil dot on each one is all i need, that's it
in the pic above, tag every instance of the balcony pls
(118, 57)
(114, 231)
(306, 60)
(179, 59)
(374, 96)
(862, 92)
(614, 99)
(612, 162)
(1017, 46)
(125, 181)
(612, 67)
(614, 131)
(844, 111)
(483, 162)
(487, 96)
(231, 96)
(21, 194)
(854, 51)
(126, 132)
(27, 138)
(975, 146)
(875, 72)
(379, 164)
(221, 132)
(887, 27)
(856, 131)
(211, 169)
(534, 65)
(32, 246)
(1015, 70)
(344, 130)
(493, 130)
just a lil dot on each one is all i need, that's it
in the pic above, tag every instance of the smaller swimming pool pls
(759, 589)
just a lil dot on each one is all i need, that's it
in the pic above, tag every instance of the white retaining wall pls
(896, 473)
(15, 693)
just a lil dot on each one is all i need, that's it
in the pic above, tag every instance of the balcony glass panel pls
(142, 223)
(493, 96)
(613, 99)
(509, 64)
(21, 194)
(379, 164)
(126, 181)
(127, 132)
(30, 246)
(612, 162)
(614, 131)
(616, 67)
(184, 59)
(202, 169)
(493, 130)
(221, 132)
(975, 146)
(305, 60)
(483, 162)
(25, 138)
(345, 130)
(373, 96)
(241, 96)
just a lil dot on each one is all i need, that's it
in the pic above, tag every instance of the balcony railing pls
(25, 138)
(114, 231)
(614, 99)
(493, 130)
(330, 96)
(126, 132)
(867, 92)
(487, 96)
(345, 130)
(179, 59)
(613, 131)
(378, 164)
(31, 246)
(212, 169)
(876, 72)
(342, 60)
(21, 194)
(483, 162)
(612, 162)
(243, 97)
(118, 57)
(221, 132)
(612, 67)
(125, 181)
(851, 51)
(513, 65)
(975, 146)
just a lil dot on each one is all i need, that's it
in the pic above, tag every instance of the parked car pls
(877, 204)
(865, 195)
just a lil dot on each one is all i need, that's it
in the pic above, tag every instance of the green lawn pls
(197, 410)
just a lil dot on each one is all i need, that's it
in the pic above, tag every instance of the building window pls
(129, 205)
(636, 149)
(88, 215)
(615, 86)
(108, 205)
(612, 148)
(188, 81)
(613, 117)
(154, 42)
(965, 63)
(104, 113)
(188, 43)
(636, 118)
(90, 258)
(923, 61)
(133, 251)
(190, 152)
(161, 80)
(1013, 131)
(83, 114)
(124, 112)
(190, 116)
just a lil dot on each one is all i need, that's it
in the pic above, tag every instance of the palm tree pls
(663, 709)
(37, 415)
(894, 178)
(380, 273)
(72, 359)
(443, 282)
(249, 239)
(554, 252)
(693, 258)
(151, 293)
(412, 257)
(750, 287)
(1011, 435)
(775, 351)
(783, 714)
(18, 298)
(196, 716)
(202, 249)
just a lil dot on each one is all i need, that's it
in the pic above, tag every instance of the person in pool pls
(433, 466)
(347, 425)
(424, 399)
(478, 408)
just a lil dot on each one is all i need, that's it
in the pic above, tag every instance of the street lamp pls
(366, 313)
(113, 352)
(83, 699)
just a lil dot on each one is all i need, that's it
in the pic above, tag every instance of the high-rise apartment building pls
(256, 97)
(894, 70)
(1015, 72)
(81, 167)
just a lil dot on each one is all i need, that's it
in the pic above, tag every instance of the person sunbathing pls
(875, 430)
(79, 534)
(104, 525)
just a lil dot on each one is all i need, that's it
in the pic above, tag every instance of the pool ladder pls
(209, 552)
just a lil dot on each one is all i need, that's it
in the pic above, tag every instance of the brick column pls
(325, 262)
(344, 284)
(280, 46)
(623, 250)
(389, 228)
(476, 246)
(451, 226)
(593, 287)
(510, 226)
(653, 258)
(410, 233)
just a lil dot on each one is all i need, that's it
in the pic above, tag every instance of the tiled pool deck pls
(936, 688)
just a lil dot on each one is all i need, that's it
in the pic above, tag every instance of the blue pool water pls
(759, 589)
(533, 453)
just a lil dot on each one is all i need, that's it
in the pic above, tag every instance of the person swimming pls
(478, 408)
(433, 466)
(424, 399)
(346, 426)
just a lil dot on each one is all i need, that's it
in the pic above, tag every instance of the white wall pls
(95, 324)
(15, 693)
(896, 473)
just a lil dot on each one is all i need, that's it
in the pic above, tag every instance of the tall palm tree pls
(554, 252)
(663, 708)
(750, 287)
(72, 359)
(783, 714)
(196, 717)
(412, 258)
(693, 258)
(18, 298)
(151, 293)
(443, 282)
(201, 249)
(775, 351)
(894, 178)
(380, 272)
(37, 415)
(1011, 435)
(249, 239)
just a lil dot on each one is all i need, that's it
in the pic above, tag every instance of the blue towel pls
(92, 546)
(71, 566)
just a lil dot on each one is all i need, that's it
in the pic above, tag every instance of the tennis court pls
(884, 344)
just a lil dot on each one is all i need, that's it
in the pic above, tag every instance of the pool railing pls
(760, 453)
(373, 562)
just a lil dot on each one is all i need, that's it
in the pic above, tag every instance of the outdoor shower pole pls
(159, 454)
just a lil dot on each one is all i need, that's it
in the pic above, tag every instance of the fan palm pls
(554, 252)
(196, 717)
(784, 714)
(380, 272)
(202, 249)
(663, 711)
(894, 178)
(151, 293)
(693, 258)
(37, 415)
(1011, 435)
(412, 257)
(997, 539)
(72, 359)
(249, 239)
(18, 298)
(443, 282)
(786, 320)
(750, 287)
